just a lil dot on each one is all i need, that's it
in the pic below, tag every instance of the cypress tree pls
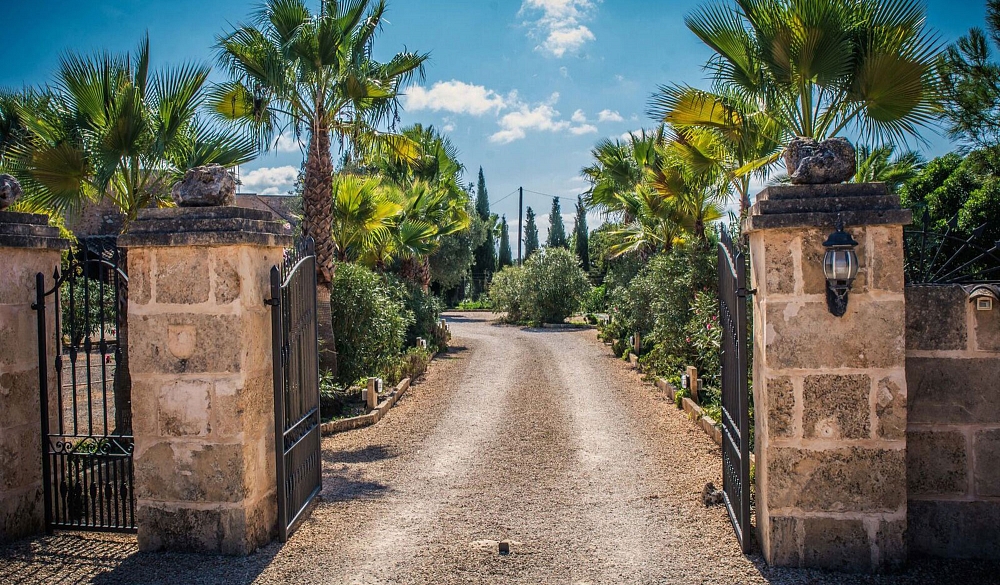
(582, 245)
(530, 234)
(485, 255)
(557, 231)
(506, 258)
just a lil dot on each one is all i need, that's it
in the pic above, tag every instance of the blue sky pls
(524, 87)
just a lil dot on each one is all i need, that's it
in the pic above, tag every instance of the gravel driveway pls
(539, 437)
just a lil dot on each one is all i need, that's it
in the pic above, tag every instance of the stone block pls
(18, 338)
(185, 408)
(181, 276)
(219, 530)
(987, 473)
(987, 325)
(226, 275)
(805, 335)
(953, 391)
(779, 262)
(890, 408)
(18, 270)
(780, 407)
(886, 252)
(935, 318)
(20, 456)
(243, 406)
(191, 472)
(954, 529)
(836, 544)
(852, 479)
(139, 274)
(937, 463)
(145, 407)
(214, 347)
(22, 513)
(891, 543)
(783, 542)
(813, 279)
(18, 397)
(836, 406)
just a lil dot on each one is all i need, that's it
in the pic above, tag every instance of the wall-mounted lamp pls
(984, 295)
(840, 266)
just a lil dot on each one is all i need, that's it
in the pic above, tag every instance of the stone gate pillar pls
(202, 393)
(28, 247)
(829, 392)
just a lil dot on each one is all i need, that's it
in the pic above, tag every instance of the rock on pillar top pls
(28, 247)
(202, 393)
(829, 392)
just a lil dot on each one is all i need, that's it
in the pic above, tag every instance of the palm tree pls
(292, 70)
(109, 128)
(813, 68)
(364, 211)
(725, 131)
(879, 165)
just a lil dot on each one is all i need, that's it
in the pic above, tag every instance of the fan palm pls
(109, 128)
(292, 70)
(879, 165)
(816, 67)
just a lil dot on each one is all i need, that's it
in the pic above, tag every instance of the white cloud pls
(583, 129)
(287, 142)
(560, 24)
(448, 127)
(609, 116)
(543, 117)
(564, 71)
(456, 97)
(270, 180)
(579, 117)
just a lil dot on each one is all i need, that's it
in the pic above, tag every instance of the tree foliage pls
(547, 289)
(557, 229)
(970, 81)
(530, 234)
(581, 243)
(506, 257)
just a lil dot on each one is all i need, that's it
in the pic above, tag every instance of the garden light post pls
(840, 266)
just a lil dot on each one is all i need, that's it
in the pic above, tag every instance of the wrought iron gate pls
(87, 440)
(296, 385)
(735, 397)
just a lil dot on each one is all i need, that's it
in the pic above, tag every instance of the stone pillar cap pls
(802, 206)
(29, 230)
(206, 226)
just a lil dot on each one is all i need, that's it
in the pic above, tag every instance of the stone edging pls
(365, 420)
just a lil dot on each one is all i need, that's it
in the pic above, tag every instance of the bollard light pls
(840, 266)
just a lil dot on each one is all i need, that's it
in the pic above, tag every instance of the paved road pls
(539, 437)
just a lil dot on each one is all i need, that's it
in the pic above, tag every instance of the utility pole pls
(520, 221)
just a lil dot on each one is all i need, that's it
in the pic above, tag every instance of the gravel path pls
(539, 437)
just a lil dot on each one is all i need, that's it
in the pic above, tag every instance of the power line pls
(492, 203)
(573, 199)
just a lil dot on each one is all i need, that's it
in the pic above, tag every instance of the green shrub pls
(369, 324)
(334, 400)
(596, 300)
(423, 309)
(411, 364)
(475, 304)
(506, 293)
(555, 285)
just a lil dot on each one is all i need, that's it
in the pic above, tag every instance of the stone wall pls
(953, 432)
(27, 247)
(202, 396)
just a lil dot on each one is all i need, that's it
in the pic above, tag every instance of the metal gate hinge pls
(272, 302)
(744, 293)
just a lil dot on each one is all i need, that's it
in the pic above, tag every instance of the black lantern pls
(840, 266)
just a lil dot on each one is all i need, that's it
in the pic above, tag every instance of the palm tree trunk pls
(317, 223)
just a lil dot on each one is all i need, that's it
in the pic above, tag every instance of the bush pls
(507, 293)
(411, 364)
(423, 309)
(369, 323)
(547, 289)
(335, 401)
(596, 300)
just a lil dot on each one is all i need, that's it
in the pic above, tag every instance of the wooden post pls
(371, 395)
(693, 386)
(636, 343)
